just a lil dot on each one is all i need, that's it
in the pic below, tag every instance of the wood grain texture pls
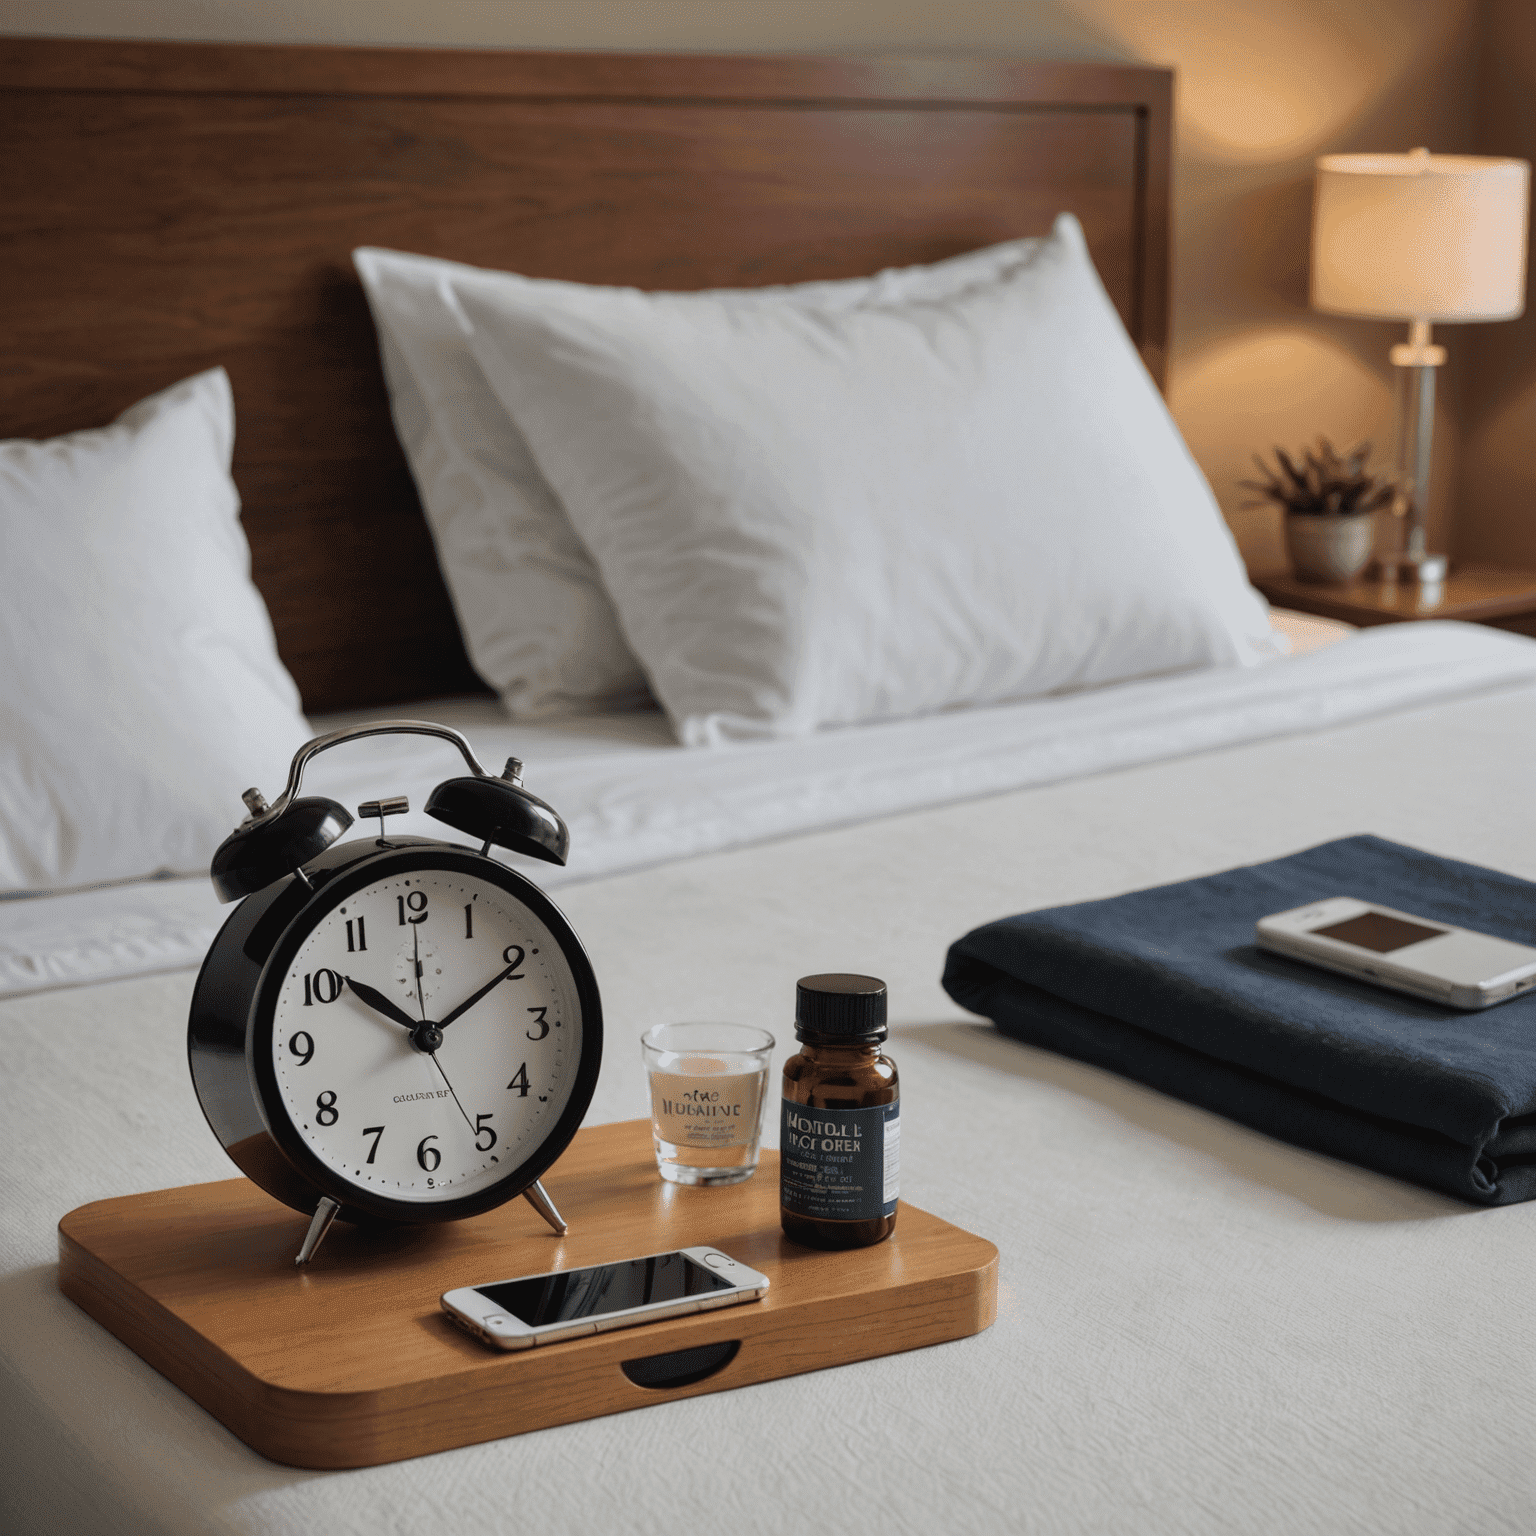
(1505, 599)
(223, 69)
(168, 207)
(352, 1363)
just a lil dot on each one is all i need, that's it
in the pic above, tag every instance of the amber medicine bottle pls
(839, 1125)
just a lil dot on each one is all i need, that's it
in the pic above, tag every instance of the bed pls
(1199, 1328)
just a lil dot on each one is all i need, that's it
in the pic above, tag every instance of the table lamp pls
(1421, 238)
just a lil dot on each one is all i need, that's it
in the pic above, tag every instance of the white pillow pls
(140, 688)
(537, 624)
(536, 620)
(810, 518)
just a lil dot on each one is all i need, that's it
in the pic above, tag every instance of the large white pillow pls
(140, 687)
(819, 517)
(537, 622)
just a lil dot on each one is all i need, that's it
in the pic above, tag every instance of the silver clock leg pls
(540, 1201)
(319, 1225)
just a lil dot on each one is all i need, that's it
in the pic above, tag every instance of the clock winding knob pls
(395, 805)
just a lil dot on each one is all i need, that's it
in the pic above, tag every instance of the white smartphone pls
(569, 1303)
(1395, 949)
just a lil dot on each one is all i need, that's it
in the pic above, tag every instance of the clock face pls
(426, 1036)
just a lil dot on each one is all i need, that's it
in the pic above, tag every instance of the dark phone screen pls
(1376, 931)
(603, 1288)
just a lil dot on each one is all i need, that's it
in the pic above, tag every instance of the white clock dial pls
(421, 1124)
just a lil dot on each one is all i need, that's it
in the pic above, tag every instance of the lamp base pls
(1420, 570)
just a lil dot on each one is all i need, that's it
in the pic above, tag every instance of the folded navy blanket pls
(1167, 986)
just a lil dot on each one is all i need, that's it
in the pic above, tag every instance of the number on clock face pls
(364, 1095)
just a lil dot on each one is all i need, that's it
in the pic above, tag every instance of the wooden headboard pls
(168, 207)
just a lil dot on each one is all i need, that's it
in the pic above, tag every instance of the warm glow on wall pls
(1261, 80)
(1278, 380)
(1245, 392)
(1499, 452)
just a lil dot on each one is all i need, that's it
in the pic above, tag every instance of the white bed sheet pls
(632, 797)
(1200, 1330)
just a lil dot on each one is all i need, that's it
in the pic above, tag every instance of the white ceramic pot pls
(1326, 546)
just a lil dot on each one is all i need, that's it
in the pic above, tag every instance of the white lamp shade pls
(1420, 236)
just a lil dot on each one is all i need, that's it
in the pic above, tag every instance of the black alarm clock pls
(394, 1030)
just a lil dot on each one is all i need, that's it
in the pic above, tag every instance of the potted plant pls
(1330, 502)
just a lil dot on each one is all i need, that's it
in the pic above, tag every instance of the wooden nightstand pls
(1482, 594)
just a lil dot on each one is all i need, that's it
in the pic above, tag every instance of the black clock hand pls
(467, 1121)
(380, 1004)
(469, 1002)
(421, 1002)
(428, 1037)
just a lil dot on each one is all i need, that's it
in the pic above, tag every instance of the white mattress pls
(632, 797)
(1200, 1330)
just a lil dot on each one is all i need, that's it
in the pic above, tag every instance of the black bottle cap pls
(842, 1007)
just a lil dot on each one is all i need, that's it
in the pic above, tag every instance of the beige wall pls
(1496, 514)
(1264, 86)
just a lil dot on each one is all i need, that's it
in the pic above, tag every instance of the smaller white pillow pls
(811, 517)
(537, 624)
(140, 687)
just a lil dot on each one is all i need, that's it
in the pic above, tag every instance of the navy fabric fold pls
(1166, 986)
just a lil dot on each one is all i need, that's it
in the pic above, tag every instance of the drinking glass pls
(708, 1084)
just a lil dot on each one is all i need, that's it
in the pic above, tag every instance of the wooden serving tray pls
(351, 1362)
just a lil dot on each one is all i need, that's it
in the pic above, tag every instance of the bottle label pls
(839, 1164)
